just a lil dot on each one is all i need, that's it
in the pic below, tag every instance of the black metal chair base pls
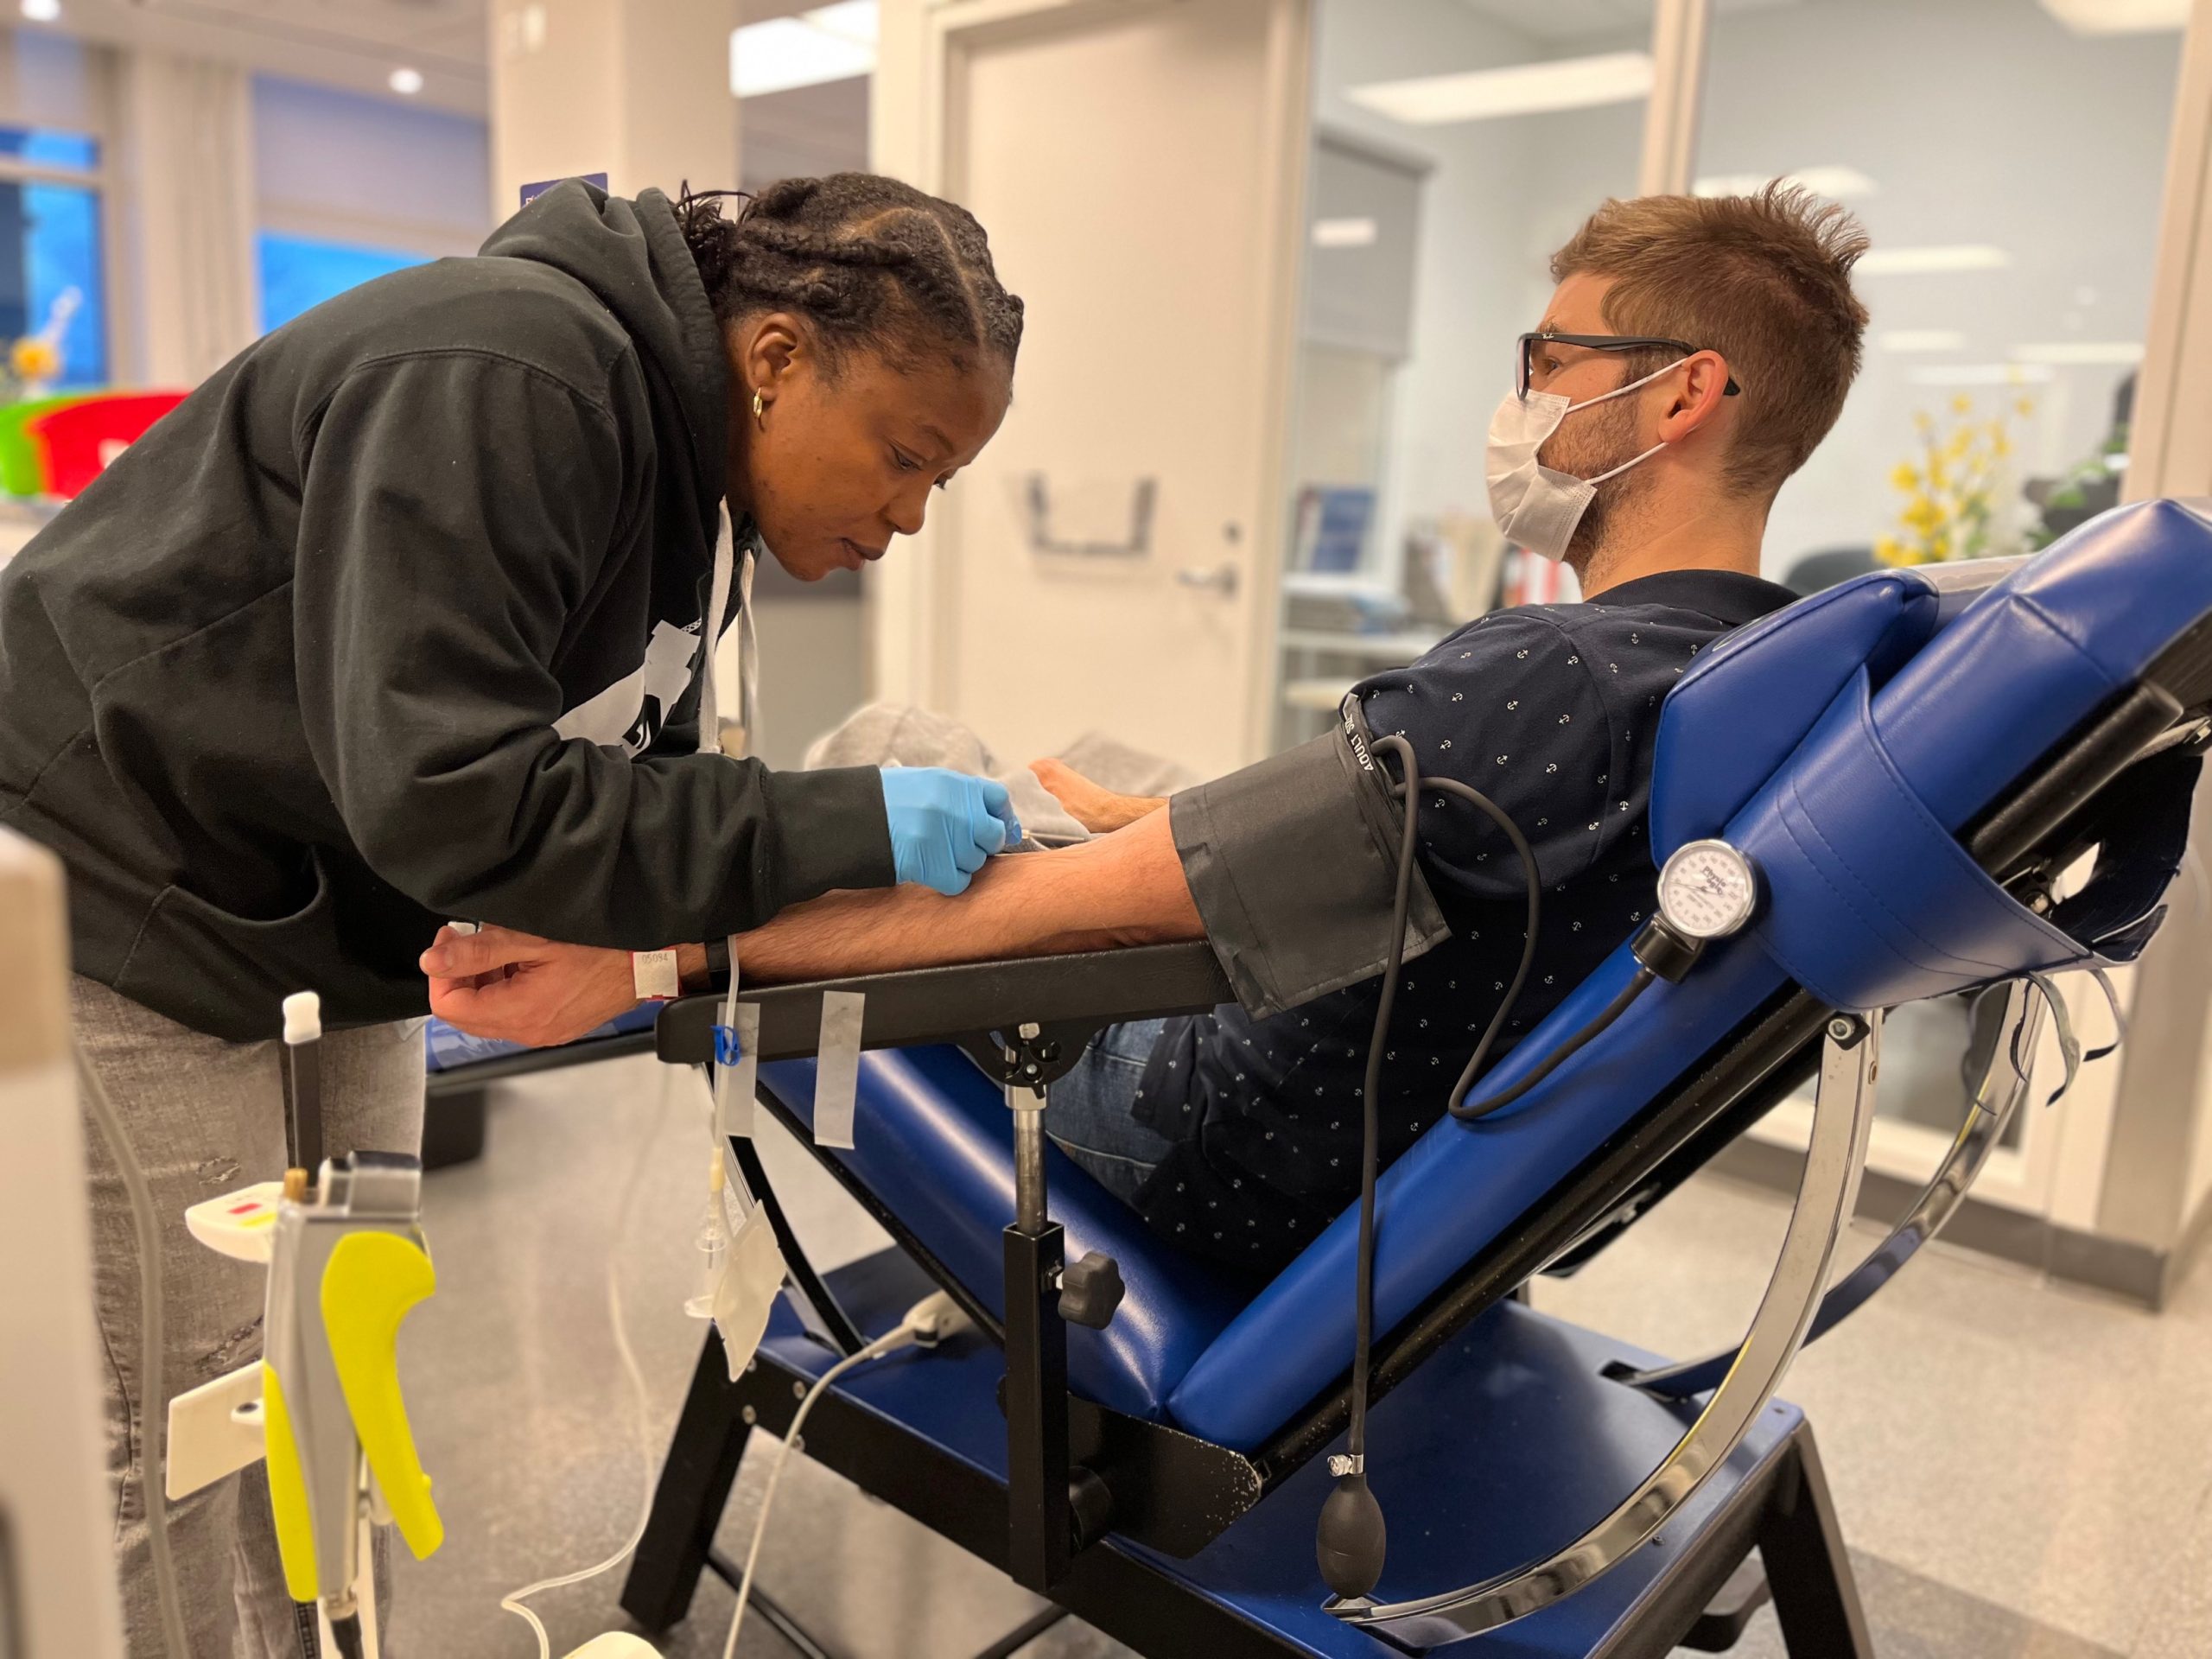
(1784, 1513)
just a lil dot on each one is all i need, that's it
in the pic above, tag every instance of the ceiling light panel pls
(1922, 340)
(1345, 233)
(1519, 89)
(1837, 183)
(2117, 353)
(1980, 374)
(2120, 17)
(1919, 262)
(835, 42)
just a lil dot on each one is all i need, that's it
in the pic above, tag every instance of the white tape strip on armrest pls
(837, 1067)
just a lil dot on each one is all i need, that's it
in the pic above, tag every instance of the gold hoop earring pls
(760, 411)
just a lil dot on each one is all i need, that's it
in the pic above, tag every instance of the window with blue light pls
(50, 266)
(300, 272)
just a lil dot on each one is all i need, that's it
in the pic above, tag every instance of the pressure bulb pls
(1349, 1543)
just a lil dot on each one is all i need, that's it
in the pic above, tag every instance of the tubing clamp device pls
(346, 1264)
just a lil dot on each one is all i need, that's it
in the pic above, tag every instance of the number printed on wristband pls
(655, 975)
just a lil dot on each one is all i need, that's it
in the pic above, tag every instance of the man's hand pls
(1098, 810)
(520, 989)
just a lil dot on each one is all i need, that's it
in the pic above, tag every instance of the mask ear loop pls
(1618, 391)
(1625, 465)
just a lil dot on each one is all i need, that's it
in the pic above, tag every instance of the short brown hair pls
(1765, 281)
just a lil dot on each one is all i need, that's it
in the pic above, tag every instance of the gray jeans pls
(205, 1116)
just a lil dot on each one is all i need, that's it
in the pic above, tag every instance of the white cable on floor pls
(883, 1344)
(152, 1410)
(512, 1601)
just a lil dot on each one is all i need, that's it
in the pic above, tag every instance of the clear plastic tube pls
(513, 1600)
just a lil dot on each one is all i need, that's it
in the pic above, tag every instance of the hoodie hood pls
(632, 256)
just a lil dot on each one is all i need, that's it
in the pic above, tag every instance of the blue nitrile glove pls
(944, 824)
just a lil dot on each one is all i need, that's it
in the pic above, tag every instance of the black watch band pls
(718, 964)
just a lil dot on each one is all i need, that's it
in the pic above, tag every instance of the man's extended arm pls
(1122, 889)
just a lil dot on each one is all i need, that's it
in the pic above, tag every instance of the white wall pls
(47, 80)
(803, 133)
(340, 166)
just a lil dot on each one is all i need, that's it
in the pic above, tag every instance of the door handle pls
(1222, 579)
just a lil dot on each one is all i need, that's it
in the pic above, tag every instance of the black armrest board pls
(938, 1005)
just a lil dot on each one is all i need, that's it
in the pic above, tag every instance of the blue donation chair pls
(1910, 762)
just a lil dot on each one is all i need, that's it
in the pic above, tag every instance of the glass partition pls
(2008, 158)
(1457, 144)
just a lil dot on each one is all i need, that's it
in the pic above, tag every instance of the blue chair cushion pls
(1751, 698)
(932, 1141)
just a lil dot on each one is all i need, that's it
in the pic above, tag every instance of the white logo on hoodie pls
(627, 715)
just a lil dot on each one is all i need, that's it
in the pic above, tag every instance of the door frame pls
(916, 102)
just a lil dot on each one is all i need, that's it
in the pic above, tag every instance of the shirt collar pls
(1728, 596)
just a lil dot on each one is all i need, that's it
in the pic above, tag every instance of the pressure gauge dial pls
(1707, 890)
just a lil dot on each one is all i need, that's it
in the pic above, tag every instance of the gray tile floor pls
(2024, 1472)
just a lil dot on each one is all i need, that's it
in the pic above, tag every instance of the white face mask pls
(1536, 507)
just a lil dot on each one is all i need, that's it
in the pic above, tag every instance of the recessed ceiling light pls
(1837, 183)
(1980, 374)
(42, 11)
(1344, 233)
(406, 82)
(1520, 89)
(2119, 352)
(834, 42)
(1922, 340)
(1912, 262)
(2119, 16)
(855, 19)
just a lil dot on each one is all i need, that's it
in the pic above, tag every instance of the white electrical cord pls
(152, 1410)
(930, 1321)
(512, 1601)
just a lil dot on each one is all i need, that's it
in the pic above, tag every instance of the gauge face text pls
(1707, 890)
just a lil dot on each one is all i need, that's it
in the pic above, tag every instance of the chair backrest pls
(1890, 710)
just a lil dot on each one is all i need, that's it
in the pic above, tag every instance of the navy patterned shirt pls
(1551, 711)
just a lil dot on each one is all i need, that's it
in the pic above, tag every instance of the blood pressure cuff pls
(1294, 864)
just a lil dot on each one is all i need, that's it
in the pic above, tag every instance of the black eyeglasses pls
(1527, 355)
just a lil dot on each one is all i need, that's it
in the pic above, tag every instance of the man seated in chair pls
(1694, 352)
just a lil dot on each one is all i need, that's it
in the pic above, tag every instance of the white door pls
(1137, 166)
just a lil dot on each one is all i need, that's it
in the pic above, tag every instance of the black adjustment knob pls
(1090, 1290)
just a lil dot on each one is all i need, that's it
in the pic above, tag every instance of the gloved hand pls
(944, 824)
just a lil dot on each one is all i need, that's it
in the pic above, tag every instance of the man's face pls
(1598, 439)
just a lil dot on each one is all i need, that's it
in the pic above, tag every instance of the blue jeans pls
(1090, 1115)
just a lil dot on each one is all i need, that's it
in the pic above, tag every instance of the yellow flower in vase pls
(1961, 405)
(1906, 477)
(34, 359)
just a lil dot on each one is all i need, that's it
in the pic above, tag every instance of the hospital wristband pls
(655, 976)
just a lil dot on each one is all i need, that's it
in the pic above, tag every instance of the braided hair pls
(869, 261)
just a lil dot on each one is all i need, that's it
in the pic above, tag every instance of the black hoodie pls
(396, 618)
